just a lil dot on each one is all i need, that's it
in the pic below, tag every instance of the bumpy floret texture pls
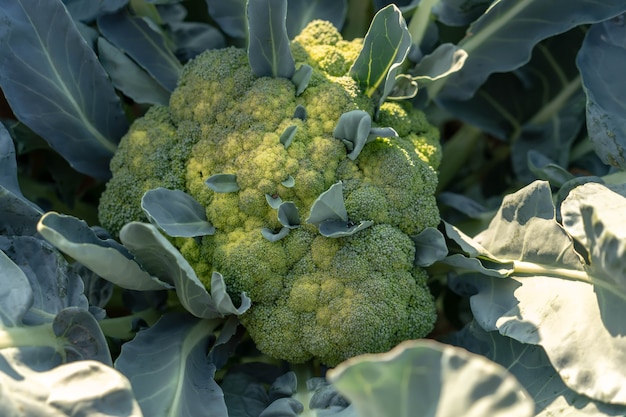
(312, 296)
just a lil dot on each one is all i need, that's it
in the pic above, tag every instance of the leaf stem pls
(456, 152)
(38, 335)
(530, 268)
(419, 21)
(121, 327)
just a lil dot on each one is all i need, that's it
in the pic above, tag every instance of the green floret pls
(312, 296)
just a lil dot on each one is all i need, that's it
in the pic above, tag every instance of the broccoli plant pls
(313, 188)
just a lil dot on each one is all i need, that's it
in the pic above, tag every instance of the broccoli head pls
(315, 294)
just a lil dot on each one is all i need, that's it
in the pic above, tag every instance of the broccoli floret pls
(312, 296)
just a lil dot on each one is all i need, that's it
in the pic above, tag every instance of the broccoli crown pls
(313, 296)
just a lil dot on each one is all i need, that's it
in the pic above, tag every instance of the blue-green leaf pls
(146, 46)
(176, 213)
(130, 78)
(300, 13)
(301, 78)
(16, 295)
(159, 257)
(510, 29)
(545, 169)
(274, 202)
(65, 98)
(329, 206)
(600, 60)
(81, 335)
(107, 258)
(443, 61)
(268, 46)
(340, 228)
(89, 10)
(430, 247)
(288, 135)
(300, 112)
(230, 16)
(288, 215)
(274, 237)
(289, 182)
(385, 47)
(459, 12)
(223, 183)
(193, 38)
(427, 375)
(353, 129)
(169, 371)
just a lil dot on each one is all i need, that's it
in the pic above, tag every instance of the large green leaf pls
(141, 42)
(601, 61)
(107, 258)
(385, 47)
(67, 99)
(169, 371)
(161, 259)
(532, 368)
(423, 378)
(550, 294)
(268, 44)
(300, 13)
(510, 29)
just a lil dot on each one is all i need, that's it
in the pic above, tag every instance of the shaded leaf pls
(329, 206)
(288, 135)
(443, 61)
(300, 112)
(288, 215)
(301, 79)
(169, 371)
(545, 169)
(268, 44)
(82, 336)
(16, 296)
(107, 258)
(230, 16)
(161, 259)
(447, 380)
(130, 78)
(600, 59)
(144, 45)
(66, 99)
(385, 47)
(176, 213)
(89, 10)
(460, 12)
(510, 30)
(430, 247)
(193, 38)
(340, 228)
(353, 129)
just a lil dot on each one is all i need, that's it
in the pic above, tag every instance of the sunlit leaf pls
(176, 213)
(329, 206)
(447, 380)
(223, 183)
(385, 47)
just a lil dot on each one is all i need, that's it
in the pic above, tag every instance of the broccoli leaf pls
(146, 46)
(600, 60)
(301, 78)
(532, 368)
(443, 61)
(80, 388)
(275, 237)
(289, 182)
(434, 376)
(288, 135)
(130, 78)
(176, 213)
(339, 228)
(159, 257)
(274, 202)
(268, 44)
(430, 247)
(65, 98)
(89, 10)
(329, 206)
(18, 216)
(223, 183)
(353, 129)
(230, 16)
(288, 215)
(550, 285)
(107, 258)
(385, 47)
(300, 112)
(170, 359)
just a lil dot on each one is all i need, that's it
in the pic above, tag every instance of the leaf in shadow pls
(66, 99)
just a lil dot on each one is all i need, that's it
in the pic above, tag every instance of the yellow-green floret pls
(312, 296)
